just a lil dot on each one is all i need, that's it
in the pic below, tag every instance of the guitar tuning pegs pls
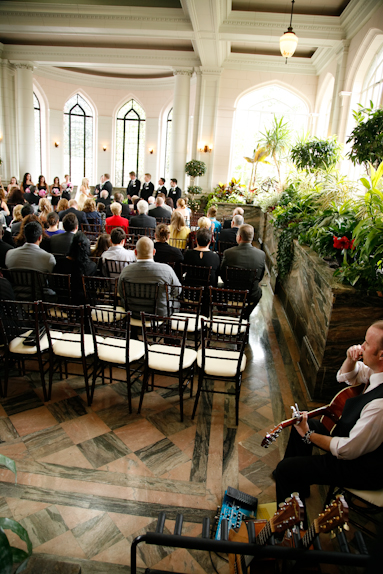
(332, 535)
(346, 526)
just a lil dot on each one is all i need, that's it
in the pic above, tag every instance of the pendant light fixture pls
(289, 41)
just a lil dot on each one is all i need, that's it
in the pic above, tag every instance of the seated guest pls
(230, 235)
(15, 196)
(102, 244)
(61, 243)
(119, 198)
(4, 247)
(117, 250)
(167, 206)
(159, 210)
(62, 205)
(165, 253)
(237, 211)
(143, 220)
(12, 184)
(91, 214)
(354, 451)
(205, 223)
(73, 208)
(45, 208)
(212, 215)
(20, 238)
(3, 204)
(53, 224)
(247, 257)
(146, 270)
(201, 256)
(101, 209)
(104, 198)
(30, 255)
(183, 210)
(151, 203)
(6, 294)
(32, 196)
(20, 211)
(161, 187)
(178, 230)
(116, 220)
(77, 263)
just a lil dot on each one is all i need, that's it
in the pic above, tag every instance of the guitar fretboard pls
(264, 535)
(308, 538)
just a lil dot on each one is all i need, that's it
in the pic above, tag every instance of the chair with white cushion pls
(216, 361)
(185, 303)
(101, 293)
(228, 305)
(117, 348)
(166, 354)
(70, 341)
(24, 339)
(138, 298)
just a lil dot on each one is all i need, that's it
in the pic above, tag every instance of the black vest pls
(352, 409)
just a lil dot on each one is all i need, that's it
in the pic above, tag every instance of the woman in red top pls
(116, 220)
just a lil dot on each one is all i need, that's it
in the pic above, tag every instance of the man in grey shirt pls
(146, 270)
(29, 255)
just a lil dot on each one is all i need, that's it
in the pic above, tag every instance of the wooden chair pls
(223, 245)
(195, 275)
(139, 297)
(92, 230)
(141, 232)
(166, 354)
(215, 361)
(240, 279)
(186, 303)
(179, 243)
(101, 293)
(228, 306)
(113, 267)
(61, 285)
(26, 283)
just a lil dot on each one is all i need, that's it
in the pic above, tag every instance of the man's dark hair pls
(203, 237)
(27, 210)
(162, 179)
(174, 179)
(117, 235)
(32, 231)
(118, 197)
(52, 218)
(70, 222)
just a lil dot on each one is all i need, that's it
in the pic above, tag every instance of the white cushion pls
(191, 324)
(70, 346)
(17, 346)
(228, 329)
(112, 350)
(371, 496)
(104, 313)
(168, 358)
(221, 363)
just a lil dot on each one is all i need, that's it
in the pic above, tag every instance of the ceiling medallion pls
(289, 41)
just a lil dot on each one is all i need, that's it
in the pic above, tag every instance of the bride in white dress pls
(83, 193)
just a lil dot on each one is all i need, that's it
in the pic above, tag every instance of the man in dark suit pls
(159, 211)
(230, 235)
(237, 211)
(33, 196)
(99, 186)
(4, 247)
(119, 198)
(61, 243)
(161, 187)
(105, 199)
(107, 184)
(134, 185)
(73, 208)
(143, 220)
(174, 192)
(148, 188)
(247, 257)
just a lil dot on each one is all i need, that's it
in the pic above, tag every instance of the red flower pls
(343, 243)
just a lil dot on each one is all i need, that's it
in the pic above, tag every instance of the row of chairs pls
(58, 335)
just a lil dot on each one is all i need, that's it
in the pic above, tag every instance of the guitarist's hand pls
(303, 426)
(355, 353)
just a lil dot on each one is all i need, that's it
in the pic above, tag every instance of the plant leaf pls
(9, 523)
(19, 555)
(6, 560)
(365, 182)
(9, 464)
(22, 566)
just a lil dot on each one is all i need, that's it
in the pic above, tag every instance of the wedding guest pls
(117, 250)
(170, 203)
(42, 186)
(62, 205)
(4, 247)
(66, 187)
(13, 183)
(104, 198)
(20, 238)
(116, 220)
(205, 223)
(44, 210)
(15, 196)
(2, 187)
(212, 215)
(53, 224)
(16, 219)
(3, 203)
(91, 213)
(27, 183)
(178, 231)
(201, 256)
(183, 210)
(55, 191)
(103, 243)
(166, 253)
(101, 209)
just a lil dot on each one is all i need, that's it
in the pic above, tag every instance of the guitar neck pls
(309, 536)
(265, 534)
(312, 414)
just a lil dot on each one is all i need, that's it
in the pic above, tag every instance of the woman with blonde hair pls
(205, 223)
(44, 210)
(84, 193)
(91, 213)
(179, 232)
(62, 205)
(185, 211)
(3, 203)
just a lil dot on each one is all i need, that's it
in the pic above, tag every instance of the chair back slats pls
(218, 335)
(227, 302)
(92, 230)
(184, 299)
(28, 284)
(178, 243)
(164, 332)
(195, 275)
(73, 320)
(100, 291)
(141, 232)
(61, 287)
(223, 245)
(140, 297)
(20, 319)
(113, 267)
(239, 278)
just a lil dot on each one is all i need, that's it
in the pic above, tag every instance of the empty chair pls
(228, 305)
(117, 348)
(101, 292)
(70, 341)
(185, 303)
(139, 297)
(26, 284)
(61, 287)
(24, 338)
(215, 361)
(166, 353)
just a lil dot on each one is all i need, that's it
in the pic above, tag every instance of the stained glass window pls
(78, 139)
(168, 143)
(38, 152)
(130, 141)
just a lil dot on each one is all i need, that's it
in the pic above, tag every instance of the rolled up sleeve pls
(361, 374)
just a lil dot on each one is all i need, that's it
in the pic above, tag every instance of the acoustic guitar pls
(330, 413)
(289, 513)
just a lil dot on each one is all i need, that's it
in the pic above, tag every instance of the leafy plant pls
(9, 555)
(316, 154)
(366, 138)
(277, 141)
(259, 156)
(195, 189)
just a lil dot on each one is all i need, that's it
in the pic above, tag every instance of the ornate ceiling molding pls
(23, 65)
(270, 64)
(178, 72)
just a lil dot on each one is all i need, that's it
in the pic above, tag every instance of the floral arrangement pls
(27, 190)
(195, 189)
(195, 168)
(42, 192)
(69, 185)
(224, 190)
(345, 245)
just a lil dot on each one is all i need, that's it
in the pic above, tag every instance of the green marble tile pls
(44, 525)
(162, 456)
(168, 422)
(96, 535)
(68, 409)
(103, 449)
(46, 442)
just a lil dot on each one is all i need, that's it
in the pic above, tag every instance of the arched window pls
(373, 82)
(255, 112)
(78, 139)
(38, 150)
(130, 141)
(168, 143)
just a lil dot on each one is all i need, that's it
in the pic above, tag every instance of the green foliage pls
(277, 140)
(316, 154)
(194, 204)
(9, 464)
(195, 189)
(366, 138)
(195, 168)
(259, 156)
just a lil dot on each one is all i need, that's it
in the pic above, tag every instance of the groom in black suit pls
(148, 188)
(134, 185)
(107, 184)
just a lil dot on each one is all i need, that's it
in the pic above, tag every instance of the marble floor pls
(91, 479)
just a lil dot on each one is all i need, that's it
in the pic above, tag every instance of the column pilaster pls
(25, 118)
(180, 125)
(336, 106)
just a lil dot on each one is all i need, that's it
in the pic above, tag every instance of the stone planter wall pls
(325, 315)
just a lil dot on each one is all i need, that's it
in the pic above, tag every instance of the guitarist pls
(354, 452)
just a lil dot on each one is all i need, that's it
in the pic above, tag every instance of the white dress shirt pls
(119, 253)
(367, 433)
